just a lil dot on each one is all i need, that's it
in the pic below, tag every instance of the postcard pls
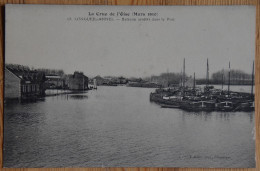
(129, 86)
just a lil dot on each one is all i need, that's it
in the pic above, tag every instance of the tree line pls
(166, 78)
(237, 77)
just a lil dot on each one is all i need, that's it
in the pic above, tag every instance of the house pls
(22, 83)
(54, 81)
(12, 85)
(100, 80)
(77, 81)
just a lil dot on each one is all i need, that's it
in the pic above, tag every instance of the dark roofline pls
(13, 72)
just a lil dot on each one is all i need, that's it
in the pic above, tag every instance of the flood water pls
(120, 127)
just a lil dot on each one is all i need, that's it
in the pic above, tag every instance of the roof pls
(25, 74)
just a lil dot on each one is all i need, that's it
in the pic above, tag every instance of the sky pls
(41, 36)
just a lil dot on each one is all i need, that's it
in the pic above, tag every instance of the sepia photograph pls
(129, 86)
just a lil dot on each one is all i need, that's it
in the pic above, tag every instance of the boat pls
(198, 105)
(225, 106)
(247, 106)
(193, 99)
(170, 105)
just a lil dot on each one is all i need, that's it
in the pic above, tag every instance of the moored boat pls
(225, 106)
(246, 106)
(198, 105)
(170, 105)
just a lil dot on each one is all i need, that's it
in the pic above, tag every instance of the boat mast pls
(252, 85)
(183, 73)
(167, 77)
(207, 76)
(181, 78)
(229, 78)
(194, 82)
(222, 78)
(183, 93)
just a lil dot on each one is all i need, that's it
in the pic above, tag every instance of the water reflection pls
(78, 97)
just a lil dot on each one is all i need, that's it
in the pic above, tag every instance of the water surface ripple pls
(120, 127)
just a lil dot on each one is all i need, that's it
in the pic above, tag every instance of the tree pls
(236, 77)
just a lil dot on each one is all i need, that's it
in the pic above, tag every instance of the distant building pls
(54, 81)
(77, 81)
(189, 82)
(22, 83)
(101, 81)
(122, 80)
